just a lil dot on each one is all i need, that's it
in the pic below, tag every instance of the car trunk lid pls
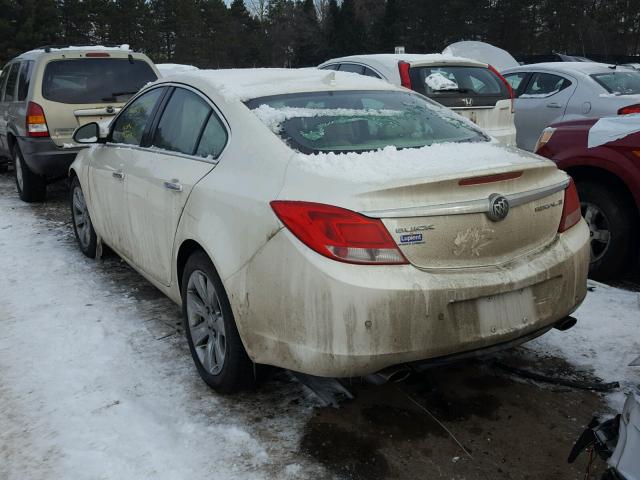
(437, 211)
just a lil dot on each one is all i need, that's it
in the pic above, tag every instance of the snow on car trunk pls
(434, 200)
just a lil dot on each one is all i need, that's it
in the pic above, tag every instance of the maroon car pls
(608, 181)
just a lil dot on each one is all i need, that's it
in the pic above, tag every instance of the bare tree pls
(258, 8)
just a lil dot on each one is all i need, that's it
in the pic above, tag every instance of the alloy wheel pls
(81, 218)
(599, 229)
(206, 322)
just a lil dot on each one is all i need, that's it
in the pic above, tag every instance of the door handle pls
(118, 174)
(173, 185)
(554, 105)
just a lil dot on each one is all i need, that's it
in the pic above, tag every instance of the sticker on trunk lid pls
(411, 239)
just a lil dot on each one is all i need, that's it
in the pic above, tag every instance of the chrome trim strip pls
(471, 206)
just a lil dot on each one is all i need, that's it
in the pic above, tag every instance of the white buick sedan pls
(328, 223)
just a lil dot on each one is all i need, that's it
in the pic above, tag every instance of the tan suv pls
(45, 94)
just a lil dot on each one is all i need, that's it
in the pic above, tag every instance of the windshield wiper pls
(458, 90)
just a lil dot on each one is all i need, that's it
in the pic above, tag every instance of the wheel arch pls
(606, 177)
(187, 247)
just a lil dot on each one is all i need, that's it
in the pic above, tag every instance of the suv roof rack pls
(48, 48)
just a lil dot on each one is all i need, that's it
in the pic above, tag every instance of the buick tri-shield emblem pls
(498, 207)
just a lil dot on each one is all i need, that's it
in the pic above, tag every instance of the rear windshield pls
(357, 121)
(449, 85)
(622, 83)
(95, 80)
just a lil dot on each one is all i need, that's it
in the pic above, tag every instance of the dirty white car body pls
(486, 100)
(449, 279)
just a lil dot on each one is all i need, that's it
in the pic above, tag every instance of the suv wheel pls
(31, 187)
(610, 220)
(211, 331)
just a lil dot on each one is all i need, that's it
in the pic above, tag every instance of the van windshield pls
(95, 80)
(356, 121)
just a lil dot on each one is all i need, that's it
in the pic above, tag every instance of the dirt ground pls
(490, 424)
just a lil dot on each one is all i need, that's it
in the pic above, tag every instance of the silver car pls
(551, 92)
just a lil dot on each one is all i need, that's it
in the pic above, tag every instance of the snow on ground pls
(88, 390)
(605, 339)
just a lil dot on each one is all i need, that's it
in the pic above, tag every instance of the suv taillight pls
(403, 69)
(36, 123)
(507, 84)
(339, 234)
(629, 109)
(571, 213)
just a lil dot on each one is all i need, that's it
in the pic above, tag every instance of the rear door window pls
(95, 80)
(545, 85)
(370, 73)
(352, 67)
(24, 79)
(459, 86)
(12, 81)
(214, 138)
(130, 125)
(517, 81)
(182, 122)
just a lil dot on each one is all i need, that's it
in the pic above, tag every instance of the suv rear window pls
(357, 121)
(622, 83)
(450, 85)
(95, 80)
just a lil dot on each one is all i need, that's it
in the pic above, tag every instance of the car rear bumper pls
(44, 157)
(298, 310)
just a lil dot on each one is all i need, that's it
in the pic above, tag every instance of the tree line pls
(296, 33)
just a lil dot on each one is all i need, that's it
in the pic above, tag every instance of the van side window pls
(12, 80)
(23, 80)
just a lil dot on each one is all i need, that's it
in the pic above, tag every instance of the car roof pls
(56, 51)
(585, 68)
(387, 63)
(247, 83)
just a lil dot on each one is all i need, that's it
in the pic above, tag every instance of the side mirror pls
(89, 133)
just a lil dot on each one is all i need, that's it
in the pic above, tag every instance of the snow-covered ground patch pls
(96, 383)
(605, 339)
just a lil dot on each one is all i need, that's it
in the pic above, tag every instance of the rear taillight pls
(507, 84)
(629, 109)
(97, 55)
(36, 123)
(544, 138)
(339, 234)
(405, 78)
(571, 213)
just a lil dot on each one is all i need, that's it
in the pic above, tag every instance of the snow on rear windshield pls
(358, 121)
(620, 83)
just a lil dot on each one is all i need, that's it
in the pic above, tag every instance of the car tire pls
(211, 331)
(82, 226)
(605, 212)
(31, 187)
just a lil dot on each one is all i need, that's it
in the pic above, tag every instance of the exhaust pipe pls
(565, 324)
(390, 374)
